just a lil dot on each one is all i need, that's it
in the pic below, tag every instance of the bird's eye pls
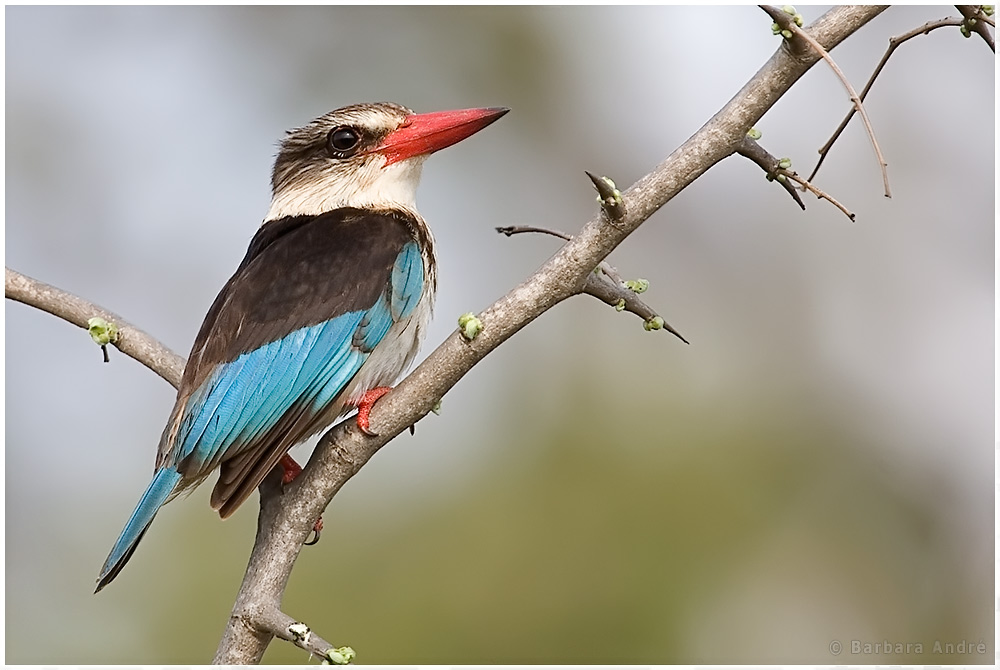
(343, 140)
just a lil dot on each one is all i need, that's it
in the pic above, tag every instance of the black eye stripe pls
(343, 141)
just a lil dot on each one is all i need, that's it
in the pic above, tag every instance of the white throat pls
(369, 186)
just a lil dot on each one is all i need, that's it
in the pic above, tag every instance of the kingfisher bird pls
(326, 310)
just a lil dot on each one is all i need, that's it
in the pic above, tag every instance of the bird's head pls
(366, 155)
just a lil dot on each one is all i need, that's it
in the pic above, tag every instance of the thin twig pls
(787, 23)
(280, 625)
(517, 230)
(752, 149)
(619, 296)
(807, 185)
(894, 42)
(605, 283)
(131, 341)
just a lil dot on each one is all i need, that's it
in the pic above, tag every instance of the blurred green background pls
(816, 467)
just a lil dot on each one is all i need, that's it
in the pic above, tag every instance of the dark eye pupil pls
(343, 138)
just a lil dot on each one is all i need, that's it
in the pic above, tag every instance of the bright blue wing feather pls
(277, 390)
(242, 399)
(269, 365)
(283, 363)
(215, 389)
(270, 400)
(320, 360)
(375, 324)
(407, 281)
(339, 371)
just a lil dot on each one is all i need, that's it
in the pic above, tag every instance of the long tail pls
(163, 484)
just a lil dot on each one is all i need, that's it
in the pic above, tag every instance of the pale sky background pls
(853, 363)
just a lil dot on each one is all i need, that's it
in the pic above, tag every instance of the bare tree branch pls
(253, 623)
(976, 21)
(288, 517)
(778, 170)
(822, 195)
(131, 341)
(606, 285)
(750, 148)
(518, 230)
(786, 22)
(894, 43)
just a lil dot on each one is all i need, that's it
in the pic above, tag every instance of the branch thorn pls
(609, 196)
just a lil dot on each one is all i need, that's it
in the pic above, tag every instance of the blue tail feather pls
(163, 484)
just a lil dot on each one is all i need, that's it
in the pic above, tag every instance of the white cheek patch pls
(370, 186)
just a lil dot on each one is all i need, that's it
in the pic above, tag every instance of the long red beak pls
(427, 133)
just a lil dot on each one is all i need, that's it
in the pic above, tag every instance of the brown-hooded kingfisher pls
(326, 310)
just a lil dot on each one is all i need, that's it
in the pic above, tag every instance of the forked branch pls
(787, 23)
(778, 170)
(605, 284)
(894, 43)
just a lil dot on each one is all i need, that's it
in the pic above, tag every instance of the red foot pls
(365, 407)
(291, 469)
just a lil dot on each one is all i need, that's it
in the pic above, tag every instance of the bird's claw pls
(317, 527)
(365, 407)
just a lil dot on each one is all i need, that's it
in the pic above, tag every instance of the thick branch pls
(344, 449)
(131, 341)
(255, 622)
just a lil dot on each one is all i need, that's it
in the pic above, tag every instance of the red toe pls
(291, 469)
(365, 407)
